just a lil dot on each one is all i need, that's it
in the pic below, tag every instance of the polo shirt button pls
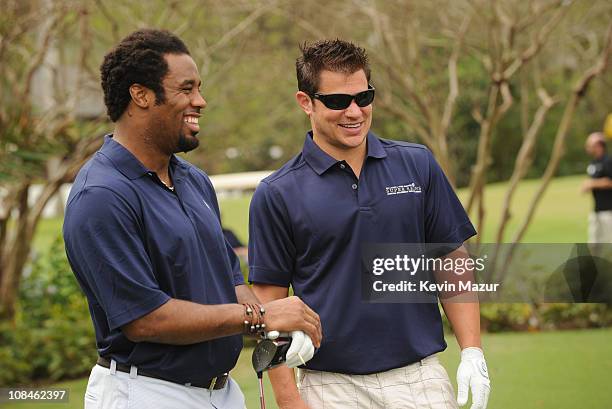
(342, 166)
(354, 186)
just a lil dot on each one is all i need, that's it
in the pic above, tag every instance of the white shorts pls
(424, 384)
(120, 390)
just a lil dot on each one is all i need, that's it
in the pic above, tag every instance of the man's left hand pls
(473, 374)
(300, 351)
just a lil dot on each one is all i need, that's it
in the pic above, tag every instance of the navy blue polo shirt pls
(308, 221)
(133, 244)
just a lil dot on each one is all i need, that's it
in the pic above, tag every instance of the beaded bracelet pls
(254, 319)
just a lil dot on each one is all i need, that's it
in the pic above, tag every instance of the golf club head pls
(269, 354)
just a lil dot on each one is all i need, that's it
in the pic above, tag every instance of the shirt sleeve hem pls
(460, 234)
(261, 275)
(238, 278)
(138, 311)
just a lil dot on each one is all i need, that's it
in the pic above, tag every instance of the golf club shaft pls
(262, 401)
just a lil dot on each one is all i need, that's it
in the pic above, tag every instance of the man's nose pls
(199, 101)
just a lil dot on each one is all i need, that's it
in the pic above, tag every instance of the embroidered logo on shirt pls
(396, 190)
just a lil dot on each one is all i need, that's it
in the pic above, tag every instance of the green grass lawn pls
(560, 218)
(550, 370)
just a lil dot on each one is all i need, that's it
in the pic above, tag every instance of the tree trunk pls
(14, 255)
(17, 247)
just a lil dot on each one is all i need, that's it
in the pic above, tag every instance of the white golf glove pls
(473, 374)
(301, 349)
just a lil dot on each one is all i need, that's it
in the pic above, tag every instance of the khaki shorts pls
(600, 227)
(421, 385)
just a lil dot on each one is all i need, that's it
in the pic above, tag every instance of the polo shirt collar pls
(320, 161)
(125, 161)
(375, 148)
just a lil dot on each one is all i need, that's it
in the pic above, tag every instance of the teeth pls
(191, 119)
(351, 126)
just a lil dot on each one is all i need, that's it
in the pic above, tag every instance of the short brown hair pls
(332, 55)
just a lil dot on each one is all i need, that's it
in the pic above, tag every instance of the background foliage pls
(52, 336)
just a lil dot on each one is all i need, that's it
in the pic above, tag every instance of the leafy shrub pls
(496, 317)
(52, 336)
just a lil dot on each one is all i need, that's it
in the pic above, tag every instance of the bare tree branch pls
(404, 116)
(36, 61)
(524, 159)
(242, 26)
(111, 19)
(538, 42)
(304, 24)
(453, 79)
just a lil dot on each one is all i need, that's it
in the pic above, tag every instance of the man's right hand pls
(290, 314)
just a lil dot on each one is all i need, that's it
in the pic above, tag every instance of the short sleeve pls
(105, 247)
(445, 218)
(271, 249)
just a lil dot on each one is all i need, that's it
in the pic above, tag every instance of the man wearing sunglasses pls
(308, 222)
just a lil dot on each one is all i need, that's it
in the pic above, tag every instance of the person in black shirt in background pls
(600, 183)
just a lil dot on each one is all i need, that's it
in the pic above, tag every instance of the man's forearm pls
(246, 295)
(179, 322)
(465, 321)
(602, 183)
(462, 309)
(597, 184)
(284, 386)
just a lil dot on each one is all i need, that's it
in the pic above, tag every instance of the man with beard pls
(144, 239)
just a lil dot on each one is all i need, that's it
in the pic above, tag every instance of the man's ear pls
(304, 101)
(142, 96)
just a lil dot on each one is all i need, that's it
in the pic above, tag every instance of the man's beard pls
(186, 144)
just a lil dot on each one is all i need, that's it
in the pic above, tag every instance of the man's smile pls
(193, 121)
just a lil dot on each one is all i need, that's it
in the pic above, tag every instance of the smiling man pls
(144, 239)
(308, 222)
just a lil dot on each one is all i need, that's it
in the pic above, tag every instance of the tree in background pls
(44, 139)
(51, 113)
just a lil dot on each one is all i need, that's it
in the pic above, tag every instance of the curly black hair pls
(137, 59)
(332, 55)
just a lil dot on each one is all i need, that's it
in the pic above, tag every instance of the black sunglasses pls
(343, 101)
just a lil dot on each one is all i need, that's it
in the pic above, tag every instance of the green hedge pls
(52, 337)
(542, 317)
